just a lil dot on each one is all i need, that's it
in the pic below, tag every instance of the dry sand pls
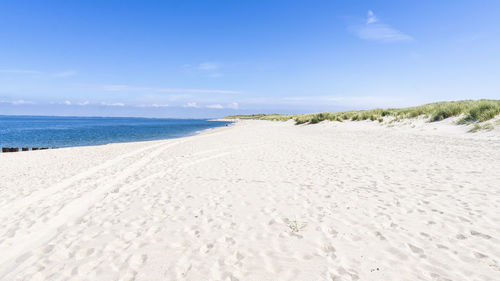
(258, 201)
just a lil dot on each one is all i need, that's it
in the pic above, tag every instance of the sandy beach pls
(259, 200)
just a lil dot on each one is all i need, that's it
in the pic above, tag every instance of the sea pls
(55, 132)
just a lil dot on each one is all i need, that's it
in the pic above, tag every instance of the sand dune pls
(258, 201)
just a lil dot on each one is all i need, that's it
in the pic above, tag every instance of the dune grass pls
(473, 111)
(485, 127)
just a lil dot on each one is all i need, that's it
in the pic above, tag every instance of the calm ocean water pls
(44, 131)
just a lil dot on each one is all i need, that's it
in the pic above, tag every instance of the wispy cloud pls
(208, 69)
(64, 74)
(30, 71)
(17, 102)
(206, 91)
(167, 90)
(159, 105)
(215, 106)
(191, 104)
(208, 66)
(68, 102)
(102, 103)
(371, 17)
(155, 105)
(20, 71)
(233, 105)
(373, 30)
(112, 103)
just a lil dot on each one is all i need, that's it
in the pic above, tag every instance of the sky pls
(203, 59)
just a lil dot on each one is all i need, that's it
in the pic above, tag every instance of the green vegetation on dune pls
(473, 111)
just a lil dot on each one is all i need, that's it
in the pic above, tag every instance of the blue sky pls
(211, 58)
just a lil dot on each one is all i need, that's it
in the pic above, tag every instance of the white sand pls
(366, 202)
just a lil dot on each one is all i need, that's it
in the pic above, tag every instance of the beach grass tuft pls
(296, 226)
(481, 112)
(485, 127)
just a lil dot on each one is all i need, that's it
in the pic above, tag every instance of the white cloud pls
(19, 71)
(159, 105)
(191, 104)
(64, 74)
(202, 91)
(208, 69)
(382, 32)
(84, 102)
(372, 30)
(155, 105)
(233, 105)
(18, 102)
(214, 106)
(117, 88)
(371, 17)
(208, 66)
(67, 102)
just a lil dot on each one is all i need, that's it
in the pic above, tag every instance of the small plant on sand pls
(476, 128)
(296, 226)
(485, 127)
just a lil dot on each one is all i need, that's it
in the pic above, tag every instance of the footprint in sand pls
(417, 250)
(475, 233)
(136, 261)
